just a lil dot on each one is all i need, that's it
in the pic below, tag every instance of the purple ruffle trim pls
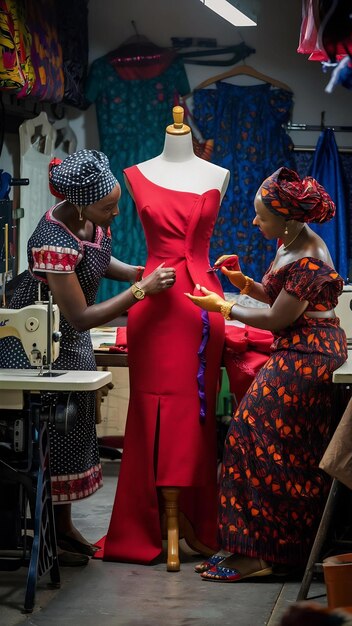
(202, 364)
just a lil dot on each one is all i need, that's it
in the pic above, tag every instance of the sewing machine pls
(29, 400)
(37, 327)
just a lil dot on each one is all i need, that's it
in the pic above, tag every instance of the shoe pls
(71, 559)
(222, 574)
(69, 544)
(216, 559)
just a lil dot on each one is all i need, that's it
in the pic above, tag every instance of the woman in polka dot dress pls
(68, 253)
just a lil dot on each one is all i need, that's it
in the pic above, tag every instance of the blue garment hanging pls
(327, 170)
(247, 125)
(5, 185)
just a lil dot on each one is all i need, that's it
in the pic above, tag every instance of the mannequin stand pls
(178, 527)
(171, 496)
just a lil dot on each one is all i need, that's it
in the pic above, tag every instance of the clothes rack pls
(318, 127)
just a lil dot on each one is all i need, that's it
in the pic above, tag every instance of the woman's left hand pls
(210, 301)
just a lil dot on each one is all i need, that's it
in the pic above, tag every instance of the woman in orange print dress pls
(272, 492)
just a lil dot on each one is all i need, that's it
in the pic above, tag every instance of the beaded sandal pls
(220, 574)
(214, 560)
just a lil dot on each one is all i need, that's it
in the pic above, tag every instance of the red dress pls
(174, 353)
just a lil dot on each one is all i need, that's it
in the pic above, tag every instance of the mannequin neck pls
(178, 148)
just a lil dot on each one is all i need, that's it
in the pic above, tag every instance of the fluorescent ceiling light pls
(237, 12)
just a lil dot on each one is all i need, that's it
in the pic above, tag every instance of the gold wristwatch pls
(137, 291)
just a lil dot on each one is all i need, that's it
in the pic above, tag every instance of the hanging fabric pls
(303, 165)
(327, 170)
(16, 69)
(341, 75)
(249, 140)
(238, 52)
(72, 26)
(132, 116)
(203, 148)
(326, 29)
(46, 52)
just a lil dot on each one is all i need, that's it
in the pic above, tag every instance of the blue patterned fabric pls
(246, 124)
(327, 170)
(304, 159)
(132, 118)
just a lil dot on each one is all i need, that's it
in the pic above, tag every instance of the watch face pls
(137, 292)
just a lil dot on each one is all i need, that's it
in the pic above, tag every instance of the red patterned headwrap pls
(285, 194)
(54, 161)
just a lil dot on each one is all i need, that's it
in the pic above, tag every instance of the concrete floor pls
(119, 594)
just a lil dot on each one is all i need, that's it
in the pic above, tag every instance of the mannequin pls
(167, 483)
(178, 168)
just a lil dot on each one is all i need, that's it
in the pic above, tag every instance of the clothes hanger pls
(246, 70)
(135, 46)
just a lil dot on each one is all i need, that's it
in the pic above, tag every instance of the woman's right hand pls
(160, 279)
(230, 266)
(237, 279)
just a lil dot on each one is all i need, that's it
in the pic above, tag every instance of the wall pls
(275, 40)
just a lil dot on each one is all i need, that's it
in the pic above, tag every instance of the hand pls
(160, 279)
(237, 278)
(210, 301)
(230, 261)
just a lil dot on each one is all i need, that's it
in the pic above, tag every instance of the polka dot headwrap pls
(82, 178)
(285, 194)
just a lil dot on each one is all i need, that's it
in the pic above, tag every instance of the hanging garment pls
(16, 69)
(72, 26)
(132, 117)
(46, 52)
(326, 29)
(327, 170)
(341, 75)
(5, 185)
(303, 165)
(249, 140)
(174, 355)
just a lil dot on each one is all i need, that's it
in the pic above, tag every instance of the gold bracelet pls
(225, 310)
(247, 287)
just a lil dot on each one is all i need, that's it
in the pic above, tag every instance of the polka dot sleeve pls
(53, 248)
(55, 259)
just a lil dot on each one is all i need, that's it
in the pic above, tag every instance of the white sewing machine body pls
(37, 327)
(32, 325)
